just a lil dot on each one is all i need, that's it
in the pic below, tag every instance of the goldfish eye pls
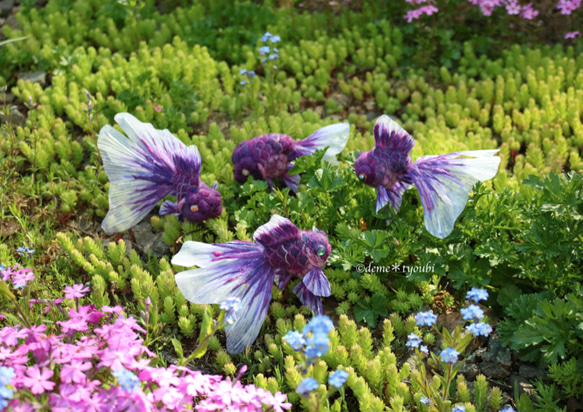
(245, 172)
(362, 176)
(194, 208)
(321, 251)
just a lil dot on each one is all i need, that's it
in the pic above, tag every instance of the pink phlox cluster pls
(568, 6)
(512, 7)
(18, 277)
(415, 14)
(572, 35)
(79, 366)
(229, 396)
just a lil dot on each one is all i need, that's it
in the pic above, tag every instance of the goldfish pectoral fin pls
(388, 135)
(169, 207)
(248, 278)
(445, 182)
(317, 282)
(308, 299)
(292, 181)
(382, 197)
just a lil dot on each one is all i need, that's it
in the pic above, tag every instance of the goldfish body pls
(269, 156)
(247, 270)
(444, 182)
(148, 166)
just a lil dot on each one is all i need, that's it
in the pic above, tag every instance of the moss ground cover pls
(186, 66)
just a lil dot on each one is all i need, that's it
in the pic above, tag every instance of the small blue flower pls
(338, 378)
(426, 318)
(424, 349)
(507, 409)
(476, 295)
(251, 74)
(449, 355)
(230, 305)
(320, 324)
(275, 38)
(306, 386)
(231, 318)
(24, 250)
(127, 380)
(266, 36)
(295, 339)
(459, 408)
(6, 375)
(273, 56)
(264, 50)
(480, 329)
(244, 82)
(425, 400)
(2, 267)
(413, 341)
(243, 71)
(318, 345)
(472, 312)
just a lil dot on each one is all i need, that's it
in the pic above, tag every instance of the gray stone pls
(12, 22)
(476, 355)
(497, 353)
(36, 77)
(149, 241)
(369, 105)
(15, 117)
(531, 372)
(470, 371)
(493, 370)
(319, 110)
(6, 7)
(370, 116)
(523, 385)
(342, 99)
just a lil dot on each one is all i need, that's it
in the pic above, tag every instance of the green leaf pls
(369, 312)
(178, 348)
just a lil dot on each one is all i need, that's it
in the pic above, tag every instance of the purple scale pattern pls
(264, 157)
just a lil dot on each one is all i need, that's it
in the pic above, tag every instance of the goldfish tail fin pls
(230, 270)
(444, 183)
(140, 168)
(334, 137)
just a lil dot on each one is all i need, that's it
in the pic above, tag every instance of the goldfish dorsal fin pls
(276, 230)
(388, 135)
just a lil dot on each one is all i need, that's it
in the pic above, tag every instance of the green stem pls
(186, 361)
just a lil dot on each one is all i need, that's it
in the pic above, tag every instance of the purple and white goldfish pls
(444, 182)
(268, 156)
(148, 166)
(247, 270)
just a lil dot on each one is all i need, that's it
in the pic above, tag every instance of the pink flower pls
(512, 7)
(568, 6)
(77, 291)
(74, 372)
(528, 12)
(415, 14)
(21, 277)
(37, 380)
(572, 35)
(278, 401)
